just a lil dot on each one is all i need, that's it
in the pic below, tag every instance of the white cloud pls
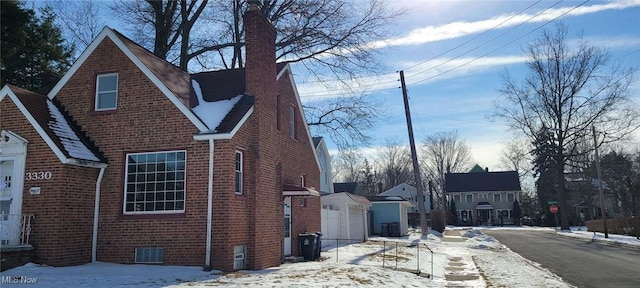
(461, 28)
(433, 70)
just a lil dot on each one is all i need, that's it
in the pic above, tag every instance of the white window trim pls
(235, 172)
(466, 199)
(126, 171)
(98, 92)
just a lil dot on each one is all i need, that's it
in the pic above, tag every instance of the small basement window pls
(239, 257)
(153, 255)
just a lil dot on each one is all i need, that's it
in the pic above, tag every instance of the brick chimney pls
(260, 50)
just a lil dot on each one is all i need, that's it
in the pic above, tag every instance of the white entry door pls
(9, 209)
(287, 226)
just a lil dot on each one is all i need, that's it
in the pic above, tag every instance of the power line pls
(488, 41)
(338, 92)
(500, 47)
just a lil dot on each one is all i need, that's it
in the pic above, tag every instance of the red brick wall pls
(144, 121)
(61, 230)
(278, 159)
(298, 159)
(304, 219)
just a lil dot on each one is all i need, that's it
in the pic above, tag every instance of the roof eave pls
(84, 163)
(223, 136)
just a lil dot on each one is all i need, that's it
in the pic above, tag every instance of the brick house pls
(131, 160)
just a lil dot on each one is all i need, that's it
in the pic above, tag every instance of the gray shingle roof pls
(487, 181)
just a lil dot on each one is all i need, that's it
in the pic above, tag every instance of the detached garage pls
(344, 217)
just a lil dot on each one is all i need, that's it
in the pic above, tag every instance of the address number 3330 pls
(38, 175)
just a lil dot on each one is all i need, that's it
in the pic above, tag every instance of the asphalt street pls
(579, 262)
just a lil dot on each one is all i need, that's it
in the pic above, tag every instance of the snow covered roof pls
(218, 98)
(385, 198)
(62, 136)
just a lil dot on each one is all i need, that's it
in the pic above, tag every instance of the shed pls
(389, 215)
(344, 217)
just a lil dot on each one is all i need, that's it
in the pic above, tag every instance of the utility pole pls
(604, 214)
(414, 158)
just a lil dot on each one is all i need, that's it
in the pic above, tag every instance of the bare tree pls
(346, 165)
(344, 119)
(516, 156)
(393, 162)
(325, 36)
(80, 20)
(332, 34)
(170, 23)
(443, 152)
(568, 90)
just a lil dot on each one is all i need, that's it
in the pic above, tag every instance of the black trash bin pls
(394, 229)
(384, 229)
(318, 246)
(307, 243)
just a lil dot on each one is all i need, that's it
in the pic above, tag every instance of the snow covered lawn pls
(464, 257)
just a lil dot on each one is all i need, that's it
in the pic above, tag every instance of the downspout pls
(96, 213)
(207, 261)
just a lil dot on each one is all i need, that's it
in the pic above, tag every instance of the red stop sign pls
(553, 209)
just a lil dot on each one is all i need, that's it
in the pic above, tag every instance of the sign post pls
(554, 209)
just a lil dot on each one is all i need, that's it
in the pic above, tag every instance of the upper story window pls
(292, 122)
(510, 197)
(238, 168)
(496, 197)
(106, 92)
(155, 182)
(278, 99)
(456, 198)
(469, 198)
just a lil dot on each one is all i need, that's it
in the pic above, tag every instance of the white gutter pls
(96, 213)
(207, 260)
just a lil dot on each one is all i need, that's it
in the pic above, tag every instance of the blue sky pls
(462, 97)
(453, 87)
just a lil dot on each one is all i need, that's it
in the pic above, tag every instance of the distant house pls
(584, 199)
(344, 218)
(389, 215)
(483, 197)
(349, 187)
(131, 160)
(326, 183)
(410, 193)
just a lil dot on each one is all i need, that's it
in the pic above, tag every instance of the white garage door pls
(356, 224)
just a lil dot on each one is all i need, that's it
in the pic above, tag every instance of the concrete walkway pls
(461, 268)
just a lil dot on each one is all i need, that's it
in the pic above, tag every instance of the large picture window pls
(106, 92)
(155, 182)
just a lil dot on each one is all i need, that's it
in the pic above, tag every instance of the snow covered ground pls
(464, 257)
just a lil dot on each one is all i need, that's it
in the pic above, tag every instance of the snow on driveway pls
(467, 258)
